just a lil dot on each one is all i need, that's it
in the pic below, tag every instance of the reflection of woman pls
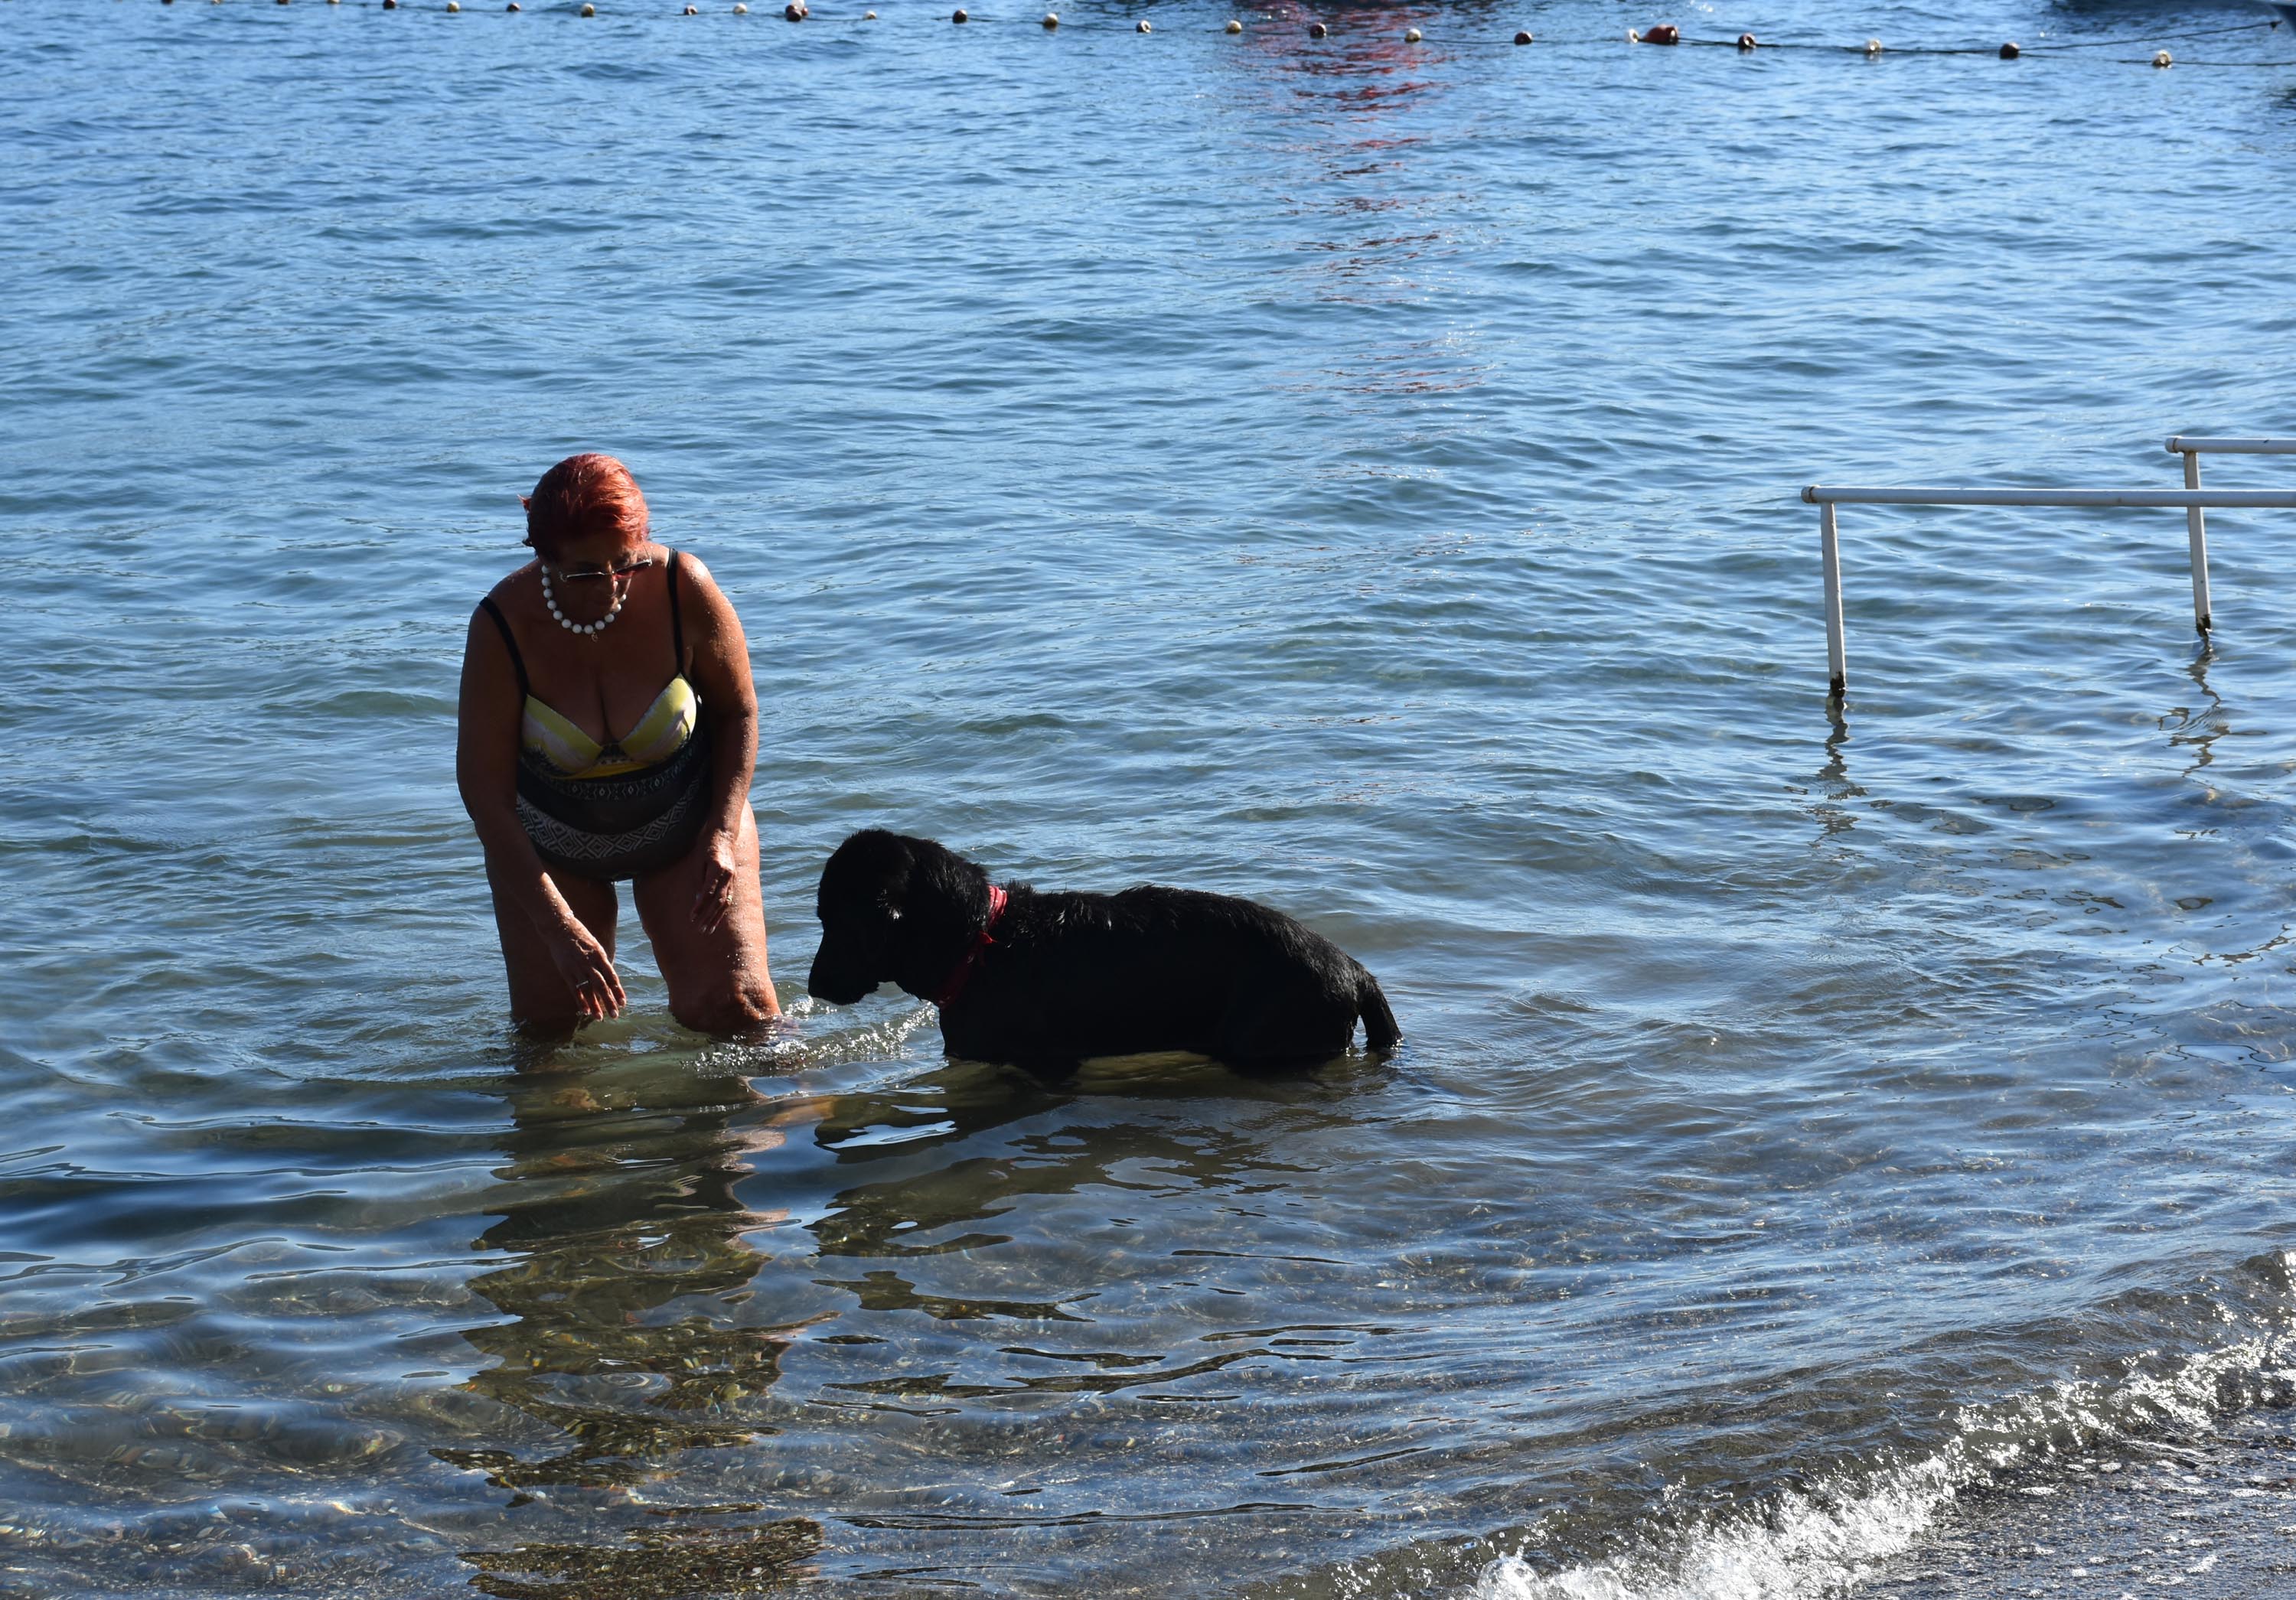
(580, 766)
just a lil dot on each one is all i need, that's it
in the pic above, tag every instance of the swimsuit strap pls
(518, 661)
(676, 625)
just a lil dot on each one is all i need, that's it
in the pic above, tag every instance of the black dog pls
(1045, 981)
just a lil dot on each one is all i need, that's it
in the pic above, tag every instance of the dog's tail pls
(1380, 1031)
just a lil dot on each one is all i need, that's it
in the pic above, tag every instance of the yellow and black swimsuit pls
(626, 808)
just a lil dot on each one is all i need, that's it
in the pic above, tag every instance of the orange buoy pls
(1664, 33)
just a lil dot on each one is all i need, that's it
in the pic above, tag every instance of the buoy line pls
(1663, 34)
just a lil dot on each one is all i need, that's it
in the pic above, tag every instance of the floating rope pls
(1664, 34)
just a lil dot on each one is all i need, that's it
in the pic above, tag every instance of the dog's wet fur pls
(1067, 976)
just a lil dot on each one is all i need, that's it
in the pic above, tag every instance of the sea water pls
(1826, 1150)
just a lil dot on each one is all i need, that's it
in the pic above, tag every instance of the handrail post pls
(2196, 533)
(1829, 549)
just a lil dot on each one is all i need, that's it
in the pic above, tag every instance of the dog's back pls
(1157, 968)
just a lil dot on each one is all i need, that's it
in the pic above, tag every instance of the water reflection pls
(1832, 792)
(623, 1334)
(638, 1328)
(2198, 727)
(626, 1244)
(1343, 117)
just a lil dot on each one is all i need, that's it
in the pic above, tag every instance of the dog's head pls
(896, 909)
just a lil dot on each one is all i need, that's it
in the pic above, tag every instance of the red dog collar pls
(958, 979)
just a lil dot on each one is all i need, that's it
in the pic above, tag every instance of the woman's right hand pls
(588, 971)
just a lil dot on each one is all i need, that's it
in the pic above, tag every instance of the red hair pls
(584, 495)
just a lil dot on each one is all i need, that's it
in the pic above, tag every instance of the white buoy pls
(1052, 21)
(452, 5)
(1872, 46)
(2163, 58)
(1143, 26)
(692, 11)
(1412, 36)
(740, 10)
(588, 10)
(1633, 37)
(1232, 26)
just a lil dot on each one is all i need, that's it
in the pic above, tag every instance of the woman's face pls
(595, 570)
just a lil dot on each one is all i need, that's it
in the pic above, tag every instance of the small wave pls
(1808, 1545)
(1823, 1541)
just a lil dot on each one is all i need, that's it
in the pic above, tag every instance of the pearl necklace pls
(551, 599)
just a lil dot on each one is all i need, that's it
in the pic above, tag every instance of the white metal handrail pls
(2191, 499)
(1820, 494)
(2192, 447)
(2186, 444)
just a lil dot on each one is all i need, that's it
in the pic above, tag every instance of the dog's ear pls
(933, 904)
(942, 878)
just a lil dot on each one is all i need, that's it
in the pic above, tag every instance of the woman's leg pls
(539, 998)
(717, 979)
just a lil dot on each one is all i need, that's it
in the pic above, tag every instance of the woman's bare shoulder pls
(693, 569)
(711, 601)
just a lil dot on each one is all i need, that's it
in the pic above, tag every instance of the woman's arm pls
(486, 771)
(720, 673)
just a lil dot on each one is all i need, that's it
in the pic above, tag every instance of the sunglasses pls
(593, 574)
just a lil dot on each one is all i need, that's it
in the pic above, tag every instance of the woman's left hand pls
(715, 897)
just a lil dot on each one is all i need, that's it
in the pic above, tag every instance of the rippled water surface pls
(1353, 474)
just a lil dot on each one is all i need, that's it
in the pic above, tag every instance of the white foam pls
(1801, 1546)
(1805, 1546)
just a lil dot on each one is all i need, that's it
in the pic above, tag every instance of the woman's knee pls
(742, 1008)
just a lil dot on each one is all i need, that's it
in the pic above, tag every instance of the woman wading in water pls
(581, 765)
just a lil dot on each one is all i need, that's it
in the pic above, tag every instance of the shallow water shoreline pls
(1362, 480)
